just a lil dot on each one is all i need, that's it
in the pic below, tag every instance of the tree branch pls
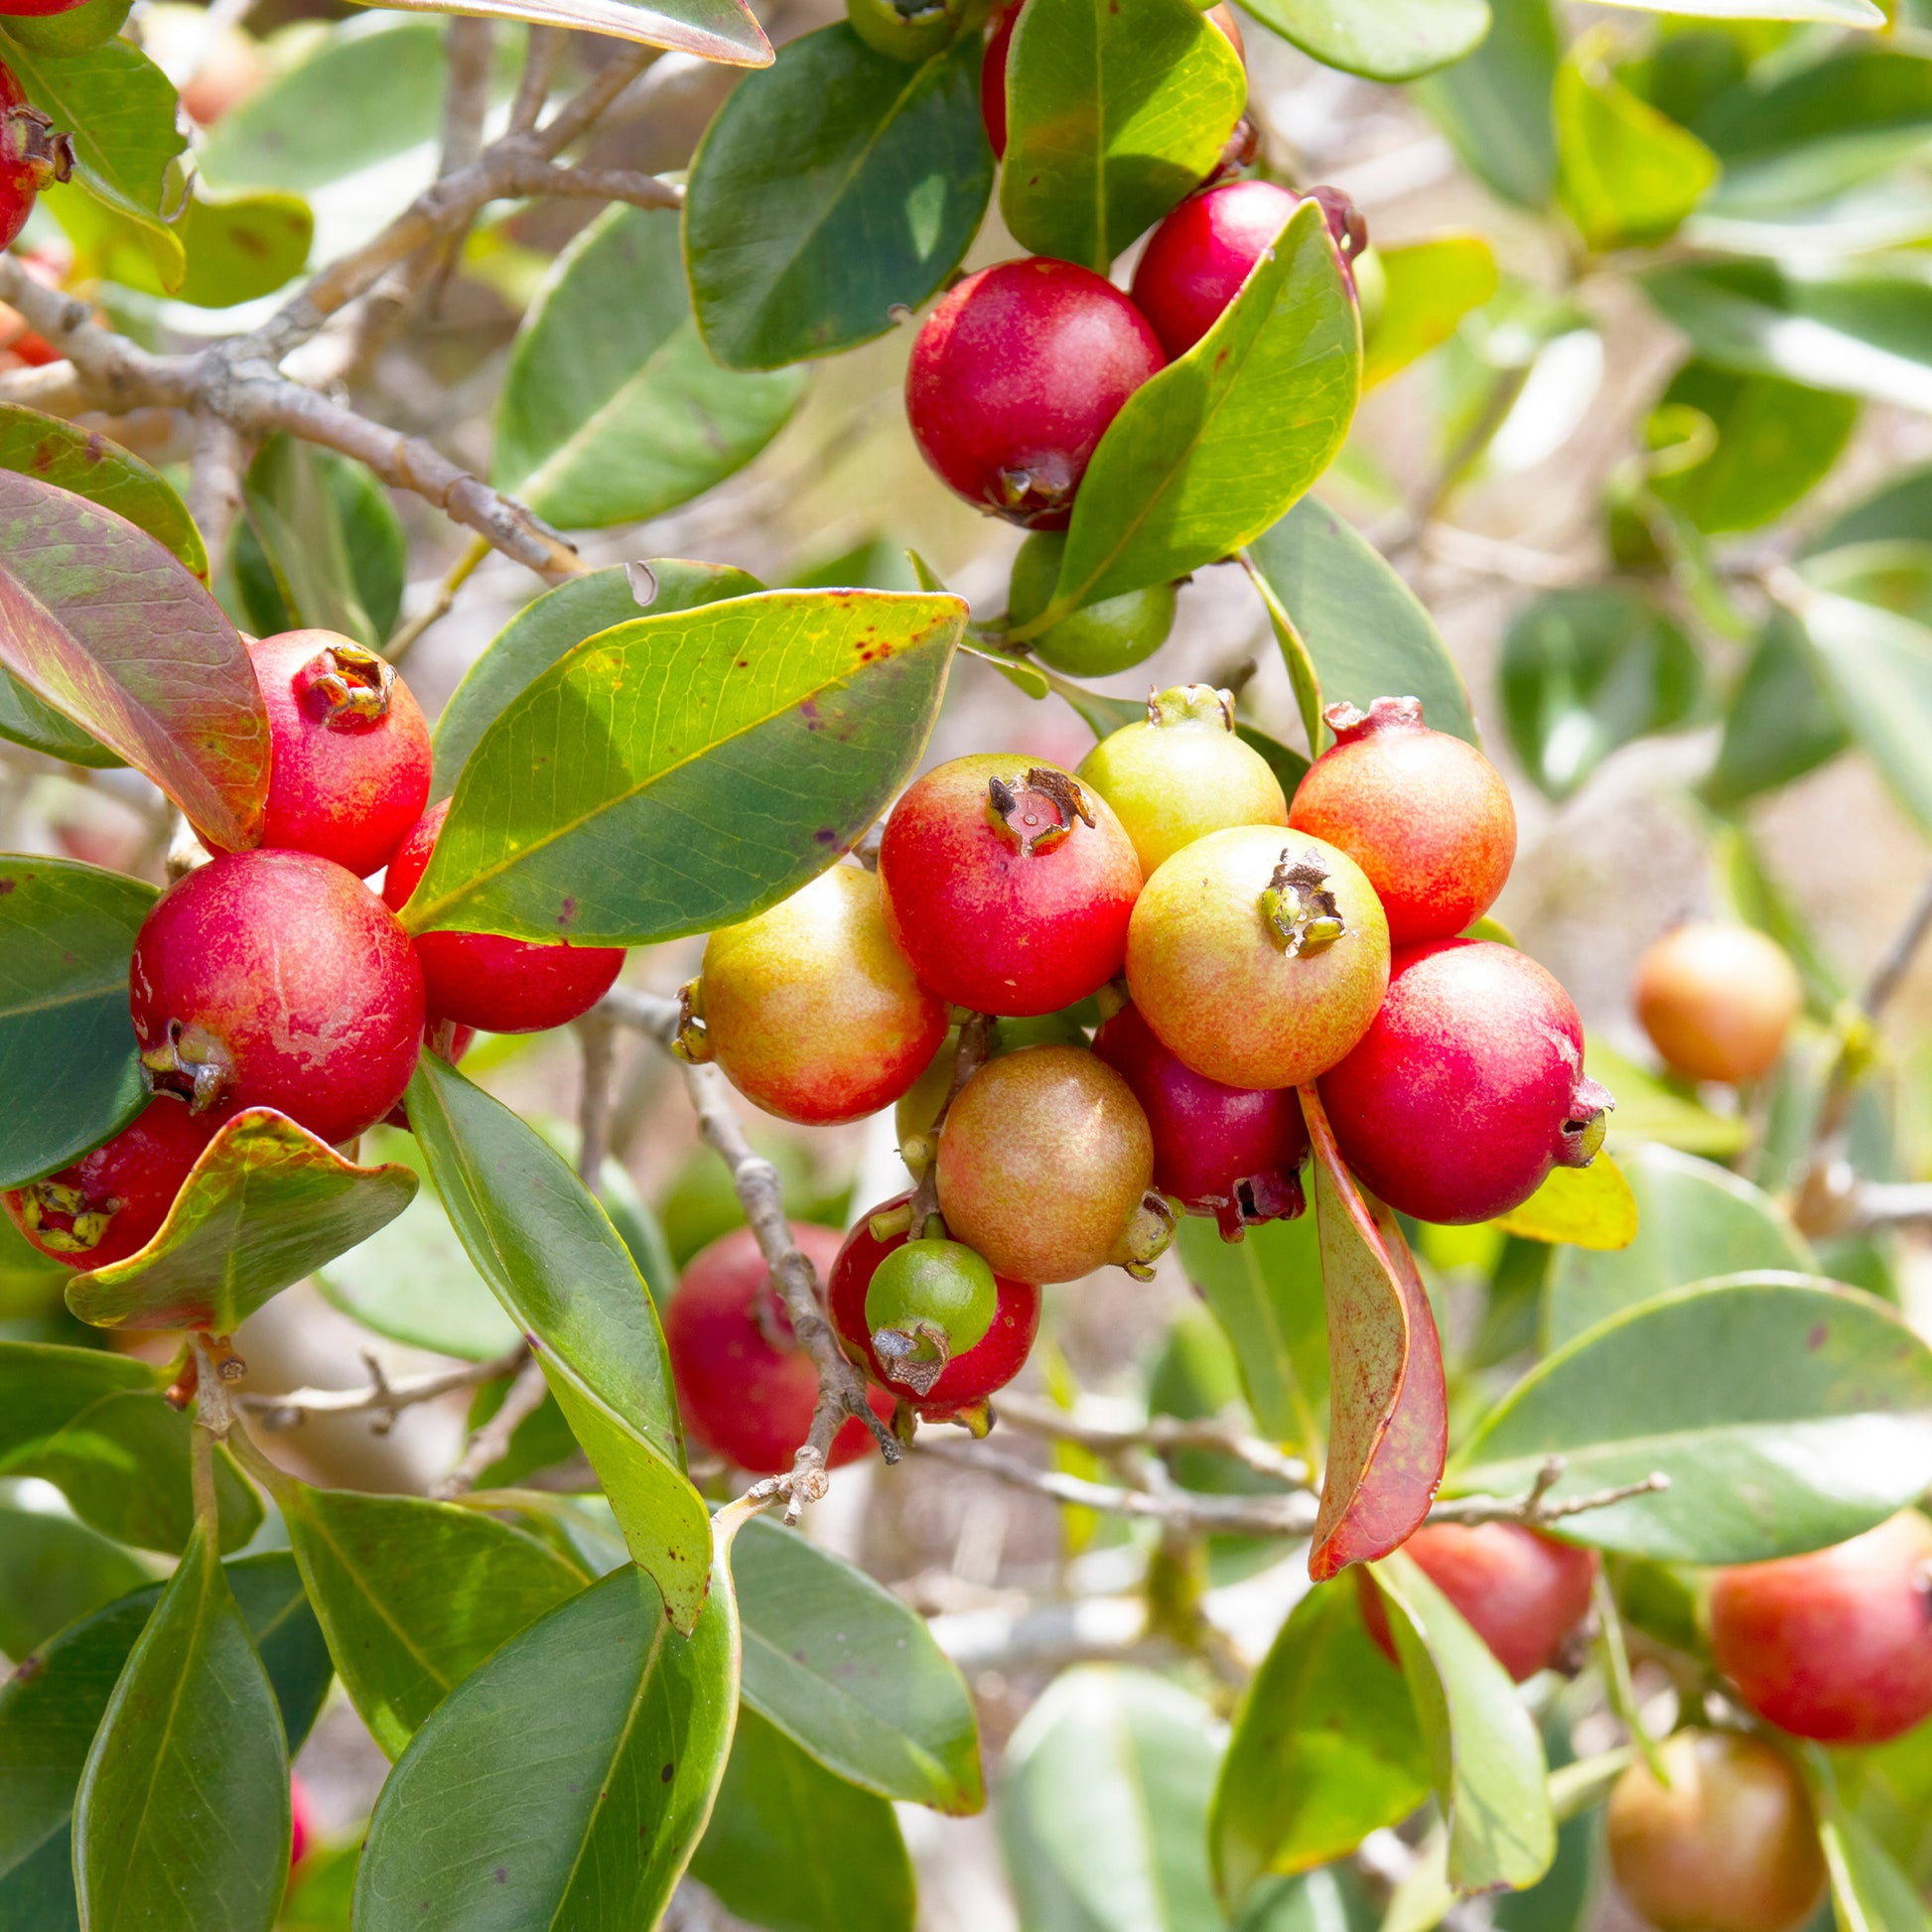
(491, 1444)
(1159, 1433)
(382, 1397)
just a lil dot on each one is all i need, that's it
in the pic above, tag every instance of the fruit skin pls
(1727, 1846)
(1218, 986)
(1426, 816)
(1195, 261)
(971, 1376)
(1718, 1001)
(349, 756)
(1231, 1152)
(910, 33)
(1835, 1645)
(918, 1107)
(811, 1008)
(1013, 378)
(131, 1180)
(1044, 1157)
(1521, 1592)
(34, 154)
(486, 981)
(1468, 1086)
(277, 979)
(1180, 774)
(1097, 640)
(741, 1396)
(989, 921)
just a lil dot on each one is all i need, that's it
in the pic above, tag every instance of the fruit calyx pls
(345, 688)
(691, 1044)
(1384, 713)
(1300, 911)
(1191, 704)
(86, 1222)
(915, 1356)
(1031, 497)
(29, 141)
(1585, 1124)
(1148, 1235)
(190, 1064)
(1345, 221)
(1258, 1198)
(1037, 812)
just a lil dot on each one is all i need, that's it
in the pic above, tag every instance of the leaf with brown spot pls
(112, 629)
(267, 1204)
(1388, 1421)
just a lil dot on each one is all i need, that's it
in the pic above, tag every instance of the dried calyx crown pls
(345, 687)
(86, 1222)
(32, 142)
(1298, 909)
(1385, 714)
(190, 1064)
(1585, 1124)
(1038, 811)
(1148, 1235)
(1032, 497)
(1191, 704)
(691, 1043)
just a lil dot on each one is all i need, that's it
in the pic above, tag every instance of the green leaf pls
(566, 1781)
(1381, 39)
(1836, 12)
(413, 1594)
(1626, 175)
(1586, 1207)
(1430, 286)
(155, 671)
(778, 725)
(1388, 1408)
(183, 1814)
(725, 31)
(1115, 110)
(48, 1715)
(1265, 1290)
(851, 1675)
(829, 190)
(1899, 510)
(1204, 456)
(1694, 1221)
(1325, 1748)
(1869, 1891)
(793, 1849)
(1101, 1805)
(87, 462)
(1890, 1788)
(1330, 1899)
(1896, 575)
(1775, 442)
(52, 1571)
(1780, 724)
(1486, 1758)
(118, 109)
(321, 548)
(39, 727)
(265, 1204)
(223, 250)
(1587, 672)
(540, 1240)
(612, 410)
(1494, 107)
(1788, 1413)
(67, 933)
(98, 1427)
(555, 623)
(1862, 331)
(1340, 611)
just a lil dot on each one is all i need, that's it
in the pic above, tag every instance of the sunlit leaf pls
(1430, 287)
(1584, 1207)
(1381, 39)
(1494, 104)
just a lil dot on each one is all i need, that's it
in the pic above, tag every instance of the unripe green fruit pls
(1259, 956)
(910, 33)
(73, 31)
(1181, 775)
(929, 1300)
(1099, 638)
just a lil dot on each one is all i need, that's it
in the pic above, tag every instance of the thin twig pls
(491, 1444)
(403, 641)
(1536, 1509)
(541, 47)
(597, 1034)
(381, 1397)
(1158, 1433)
(465, 101)
(1897, 961)
(214, 482)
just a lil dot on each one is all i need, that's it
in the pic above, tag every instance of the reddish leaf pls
(114, 632)
(1388, 1420)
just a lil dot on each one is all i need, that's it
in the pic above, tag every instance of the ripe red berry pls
(811, 1008)
(1258, 956)
(1007, 885)
(483, 980)
(112, 1200)
(1468, 1087)
(276, 979)
(349, 752)
(1729, 1845)
(1234, 1152)
(1835, 1645)
(1195, 261)
(1426, 816)
(1718, 1001)
(33, 153)
(1044, 1158)
(971, 1376)
(1013, 380)
(746, 1389)
(1521, 1592)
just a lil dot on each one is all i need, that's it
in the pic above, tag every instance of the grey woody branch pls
(380, 1397)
